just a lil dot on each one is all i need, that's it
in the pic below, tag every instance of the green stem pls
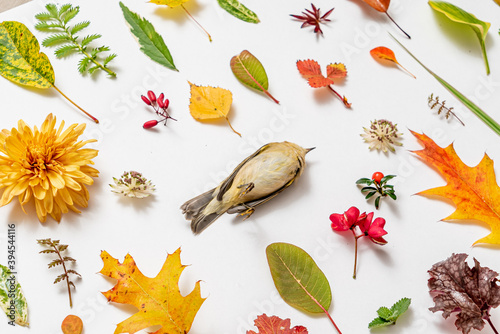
(76, 105)
(82, 50)
(199, 25)
(485, 56)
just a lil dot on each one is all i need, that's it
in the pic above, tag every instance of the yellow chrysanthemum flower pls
(47, 164)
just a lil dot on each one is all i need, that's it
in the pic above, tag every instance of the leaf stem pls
(343, 99)
(227, 120)
(491, 324)
(76, 105)
(485, 56)
(199, 25)
(355, 253)
(65, 271)
(397, 25)
(414, 77)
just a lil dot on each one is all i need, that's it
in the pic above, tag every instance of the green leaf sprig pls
(238, 10)
(54, 247)
(299, 280)
(388, 316)
(249, 71)
(21, 306)
(152, 44)
(457, 14)
(379, 187)
(55, 21)
(462, 98)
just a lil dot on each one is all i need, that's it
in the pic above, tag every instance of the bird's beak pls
(309, 149)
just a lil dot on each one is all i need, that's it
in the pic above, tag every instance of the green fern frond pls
(79, 26)
(87, 39)
(56, 39)
(56, 21)
(65, 50)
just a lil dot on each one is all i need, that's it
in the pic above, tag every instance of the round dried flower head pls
(382, 135)
(132, 184)
(48, 164)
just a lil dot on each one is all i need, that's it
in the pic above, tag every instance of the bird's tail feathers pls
(195, 206)
(202, 221)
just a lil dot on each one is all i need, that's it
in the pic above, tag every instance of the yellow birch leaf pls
(210, 103)
(158, 299)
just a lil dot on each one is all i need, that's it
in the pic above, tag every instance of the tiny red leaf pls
(276, 325)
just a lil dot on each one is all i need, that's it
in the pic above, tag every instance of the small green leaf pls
(83, 64)
(87, 39)
(152, 44)
(368, 188)
(44, 26)
(377, 202)
(65, 50)
(378, 322)
(55, 39)
(64, 9)
(390, 316)
(459, 15)
(369, 195)
(71, 14)
(384, 313)
(364, 181)
(238, 10)
(249, 71)
(43, 16)
(109, 58)
(298, 279)
(387, 178)
(79, 26)
(7, 280)
(392, 195)
(468, 103)
(22, 61)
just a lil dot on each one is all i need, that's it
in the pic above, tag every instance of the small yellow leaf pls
(210, 103)
(170, 3)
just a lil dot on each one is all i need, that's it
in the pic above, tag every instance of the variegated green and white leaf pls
(12, 298)
(238, 10)
(21, 61)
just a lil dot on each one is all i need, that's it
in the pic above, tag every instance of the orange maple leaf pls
(473, 190)
(158, 299)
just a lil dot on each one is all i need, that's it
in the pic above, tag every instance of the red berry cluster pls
(160, 106)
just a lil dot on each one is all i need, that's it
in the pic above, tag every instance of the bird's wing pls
(227, 183)
(252, 204)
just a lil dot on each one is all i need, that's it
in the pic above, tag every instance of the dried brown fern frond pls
(434, 103)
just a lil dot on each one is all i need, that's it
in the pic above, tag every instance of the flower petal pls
(377, 228)
(338, 222)
(352, 216)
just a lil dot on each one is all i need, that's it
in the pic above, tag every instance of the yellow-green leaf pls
(21, 61)
(459, 15)
(170, 3)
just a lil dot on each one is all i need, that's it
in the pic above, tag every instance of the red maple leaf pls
(276, 325)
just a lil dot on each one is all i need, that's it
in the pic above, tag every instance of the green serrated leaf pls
(109, 58)
(65, 50)
(79, 27)
(63, 9)
(152, 44)
(43, 16)
(55, 263)
(93, 69)
(83, 64)
(70, 14)
(52, 10)
(88, 39)
(384, 313)
(457, 14)
(298, 279)
(379, 322)
(46, 26)
(21, 60)
(249, 71)
(399, 308)
(56, 39)
(238, 10)
(7, 281)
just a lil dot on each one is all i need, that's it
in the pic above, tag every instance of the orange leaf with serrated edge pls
(312, 72)
(276, 325)
(158, 299)
(473, 190)
(382, 52)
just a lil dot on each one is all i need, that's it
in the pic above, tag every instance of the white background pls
(187, 157)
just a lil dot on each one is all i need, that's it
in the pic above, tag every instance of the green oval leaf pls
(238, 10)
(249, 71)
(15, 296)
(152, 44)
(459, 15)
(298, 279)
(21, 61)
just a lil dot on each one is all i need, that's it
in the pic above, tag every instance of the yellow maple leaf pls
(473, 190)
(158, 299)
(170, 3)
(210, 103)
